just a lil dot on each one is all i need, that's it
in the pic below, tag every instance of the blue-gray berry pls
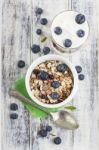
(46, 50)
(58, 30)
(62, 68)
(67, 43)
(43, 21)
(54, 95)
(80, 18)
(35, 48)
(80, 33)
(43, 75)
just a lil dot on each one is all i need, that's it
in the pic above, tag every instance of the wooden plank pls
(15, 46)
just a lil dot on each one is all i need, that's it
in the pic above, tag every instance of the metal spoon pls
(61, 118)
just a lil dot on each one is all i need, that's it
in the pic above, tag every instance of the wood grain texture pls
(19, 24)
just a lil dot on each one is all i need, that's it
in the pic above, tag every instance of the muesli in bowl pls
(51, 81)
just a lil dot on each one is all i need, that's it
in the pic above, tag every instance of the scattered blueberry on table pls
(46, 50)
(80, 18)
(42, 133)
(57, 140)
(54, 95)
(48, 128)
(38, 31)
(81, 76)
(43, 21)
(21, 64)
(67, 43)
(13, 116)
(61, 68)
(39, 11)
(43, 75)
(14, 106)
(35, 48)
(80, 33)
(55, 84)
(78, 69)
(58, 30)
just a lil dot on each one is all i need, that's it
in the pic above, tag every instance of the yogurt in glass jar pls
(69, 30)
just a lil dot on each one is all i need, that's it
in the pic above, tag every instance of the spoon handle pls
(22, 98)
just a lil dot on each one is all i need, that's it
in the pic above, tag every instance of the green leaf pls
(70, 107)
(43, 39)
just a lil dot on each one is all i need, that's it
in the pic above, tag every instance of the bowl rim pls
(43, 59)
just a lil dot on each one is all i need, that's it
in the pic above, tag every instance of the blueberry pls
(43, 133)
(55, 84)
(54, 95)
(39, 31)
(61, 68)
(39, 11)
(81, 76)
(48, 128)
(35, 48)
(58, 30)
(14, 116)
(80, 18)
(43, 21)
(46, 50)
(14, 106)
(67, 43)
(80, 33)
(57, 140)
(21, 64)
(43, 75)
(78, 69)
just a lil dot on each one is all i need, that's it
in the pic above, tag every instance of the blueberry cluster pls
(36, 48)
(44, 132)
(79, 70)
(80, 18)
(13, 107)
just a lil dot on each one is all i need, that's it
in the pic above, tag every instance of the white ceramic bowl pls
(43, 59)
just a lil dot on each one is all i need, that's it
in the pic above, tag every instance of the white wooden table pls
(19, 24)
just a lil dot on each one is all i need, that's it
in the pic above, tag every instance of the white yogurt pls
(66, 20)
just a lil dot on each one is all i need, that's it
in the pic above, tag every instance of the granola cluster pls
(51, 82)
